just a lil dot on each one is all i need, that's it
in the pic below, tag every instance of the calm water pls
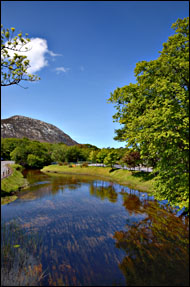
(94, 232)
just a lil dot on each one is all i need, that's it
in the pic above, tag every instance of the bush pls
(84, 164)
(60, 163)
(18, 167)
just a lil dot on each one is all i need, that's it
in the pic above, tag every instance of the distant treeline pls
(35, 154)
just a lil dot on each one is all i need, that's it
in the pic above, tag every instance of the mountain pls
(20, 126)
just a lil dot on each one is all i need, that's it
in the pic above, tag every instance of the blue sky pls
(82, 52)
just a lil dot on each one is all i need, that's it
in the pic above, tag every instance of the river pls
(97, 233)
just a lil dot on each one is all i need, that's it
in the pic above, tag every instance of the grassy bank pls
(13, 182)
(136, 180)
(8, 199)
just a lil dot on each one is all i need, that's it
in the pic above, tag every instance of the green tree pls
(59, 153)
(111, 158)
(30, 153)
(121, 152)
(38, 150)
(74, 154)
(154, 114)
(34, 161)
(101, 155)
(14, 69)
(19, 155)
(92, 156)
(7, 146)
(93, 147)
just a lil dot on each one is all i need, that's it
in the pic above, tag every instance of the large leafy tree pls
(14, 68)
(154, 113)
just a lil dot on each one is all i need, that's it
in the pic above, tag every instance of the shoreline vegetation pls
(141, 181)
(37, 155)
(12, 184)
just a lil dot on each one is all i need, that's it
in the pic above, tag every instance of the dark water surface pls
(100, 233)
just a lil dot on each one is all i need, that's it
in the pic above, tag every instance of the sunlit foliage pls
(14, 69)
(154, 114)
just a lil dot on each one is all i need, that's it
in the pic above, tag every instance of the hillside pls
(20, 126)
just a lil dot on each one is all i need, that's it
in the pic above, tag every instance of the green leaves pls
(14, 68)
(7, 34)
(154, 114)
(111, 158)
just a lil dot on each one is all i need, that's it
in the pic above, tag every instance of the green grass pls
(13, 182)
(8, 199)
(141, 181)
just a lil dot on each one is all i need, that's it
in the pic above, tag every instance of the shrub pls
(84, 164)
(17, 167)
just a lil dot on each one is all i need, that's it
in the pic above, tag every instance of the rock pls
(20, 126)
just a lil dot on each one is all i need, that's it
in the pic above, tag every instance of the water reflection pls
(157, 247)
(100, 233)
(104, 192)
(132, 203)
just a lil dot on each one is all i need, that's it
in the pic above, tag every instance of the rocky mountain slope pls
(20, 126)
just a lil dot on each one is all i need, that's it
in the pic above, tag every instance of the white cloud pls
(38, 49)
(36, 54)
(53, 54)
(61, 69)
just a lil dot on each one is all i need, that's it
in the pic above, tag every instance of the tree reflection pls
(104, 192)
(132, 203)
(157, 247)
(34, 192)
(34, 176)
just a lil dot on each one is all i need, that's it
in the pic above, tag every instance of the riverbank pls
(141, 181)
(11, 184)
